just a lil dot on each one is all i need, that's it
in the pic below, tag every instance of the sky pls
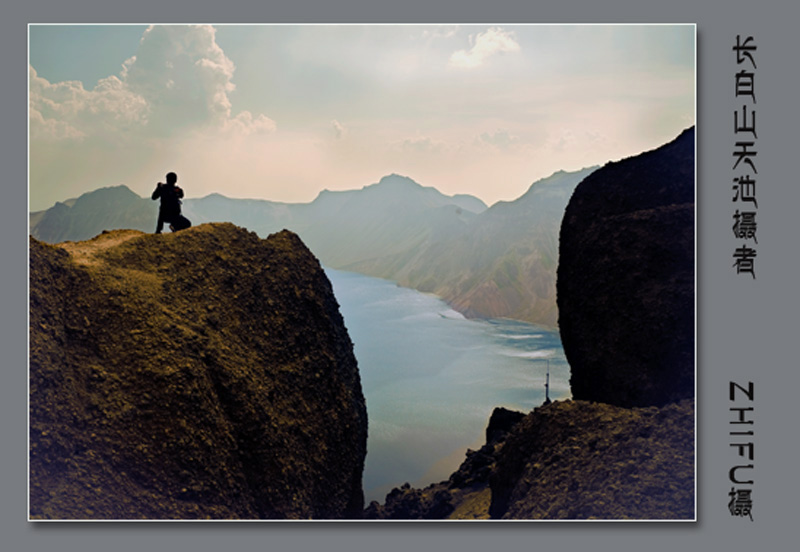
(281, 112)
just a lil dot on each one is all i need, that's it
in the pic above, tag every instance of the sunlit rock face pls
(202, 374)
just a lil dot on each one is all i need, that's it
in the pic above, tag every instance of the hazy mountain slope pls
(340, 227)
(500, 263)
(206, 373)
(497, 262)
(84, 217)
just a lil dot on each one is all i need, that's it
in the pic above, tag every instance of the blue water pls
(431, 378)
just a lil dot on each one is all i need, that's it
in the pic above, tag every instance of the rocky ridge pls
(201, 374)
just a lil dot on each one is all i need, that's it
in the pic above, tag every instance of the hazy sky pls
(282, 112)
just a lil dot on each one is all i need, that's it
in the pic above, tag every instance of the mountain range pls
(487, 262)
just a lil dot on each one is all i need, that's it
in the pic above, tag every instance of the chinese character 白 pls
(745, 84)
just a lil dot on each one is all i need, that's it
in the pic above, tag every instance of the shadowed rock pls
(625, 285)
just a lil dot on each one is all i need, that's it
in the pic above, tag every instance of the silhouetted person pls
(170, 210)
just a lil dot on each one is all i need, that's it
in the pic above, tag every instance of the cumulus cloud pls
(179, 79)
(66, 110)
(485, 45)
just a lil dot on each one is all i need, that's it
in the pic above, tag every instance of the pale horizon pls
(282, 112)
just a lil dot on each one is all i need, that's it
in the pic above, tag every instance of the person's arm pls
(179, 192)
(157, 191)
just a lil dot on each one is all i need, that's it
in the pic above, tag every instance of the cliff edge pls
(201, 374)
(625, 282)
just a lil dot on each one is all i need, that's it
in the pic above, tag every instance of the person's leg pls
(160, 224)
(181, 223)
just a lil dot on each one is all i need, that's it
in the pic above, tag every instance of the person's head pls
(172, 178)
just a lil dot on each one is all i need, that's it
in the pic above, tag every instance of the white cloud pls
(66, 110)
(179, 79)
(486, 44)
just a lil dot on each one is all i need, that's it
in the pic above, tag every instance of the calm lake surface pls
(431, 378)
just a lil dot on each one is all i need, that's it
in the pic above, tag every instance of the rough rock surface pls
(202, 374)
(626, 279)
(581, 460)
(566, 460)
(465, 495)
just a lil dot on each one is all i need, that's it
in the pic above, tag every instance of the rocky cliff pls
(625, 449)
(625, 283)
(582, 460)
(202, 374)
(566, 460)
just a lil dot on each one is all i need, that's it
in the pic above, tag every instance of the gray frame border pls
(745, 329)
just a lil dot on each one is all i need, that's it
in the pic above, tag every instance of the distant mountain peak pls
(395, 179)
(118, 190)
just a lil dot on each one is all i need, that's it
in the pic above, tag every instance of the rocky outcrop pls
(625, 284)
(201, 374)
(465, 495)
(566, 460)
(581, 460)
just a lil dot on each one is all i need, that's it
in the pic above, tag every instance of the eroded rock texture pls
(625, 283)
(202, 374)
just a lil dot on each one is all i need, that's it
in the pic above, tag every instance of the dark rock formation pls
(432, 502)
(626, 279)
(501, 422)
(465, 495)
(202, 374)
(581, 460)
(567, 460)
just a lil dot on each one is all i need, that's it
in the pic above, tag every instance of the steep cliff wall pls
(202, 374)
(625, 282)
